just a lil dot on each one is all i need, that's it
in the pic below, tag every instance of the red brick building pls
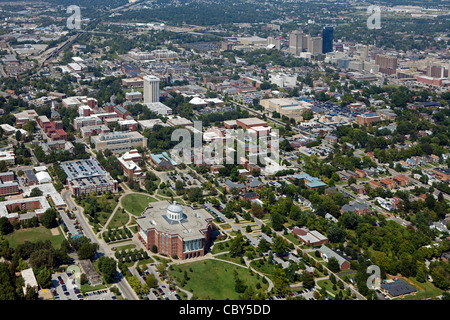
(175, 230)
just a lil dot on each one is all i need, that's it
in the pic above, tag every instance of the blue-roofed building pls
(310, 182)
(162, 160)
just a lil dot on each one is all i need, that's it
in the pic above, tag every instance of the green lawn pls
(328, 285)
(213, 279)
(124, 247)
(266, 267)
(135, 203)
(221, 247)
(429, 291)
(228, 257)
(166, 192)
(34, 234)
(120, 219)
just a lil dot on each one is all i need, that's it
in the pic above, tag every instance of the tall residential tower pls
(151, 89)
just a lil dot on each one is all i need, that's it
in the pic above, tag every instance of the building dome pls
(175, 212)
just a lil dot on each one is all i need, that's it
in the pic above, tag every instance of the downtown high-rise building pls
(387, 63)
(298, 42)
(327, 39)
(151, 89)
(314, 45)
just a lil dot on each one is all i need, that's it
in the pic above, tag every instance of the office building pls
(315, 45)
(151, 89)
(298, 42)
(327, 39)
(10, 209)
(387, 64)
(179, 231)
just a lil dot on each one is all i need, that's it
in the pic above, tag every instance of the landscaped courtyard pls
(136, 203)
(214, 279)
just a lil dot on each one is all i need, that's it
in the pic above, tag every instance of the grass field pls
(120, 219)
(266, 268)
(136, 203)
(214, 279)
(221, 247)
(34, 234)
(429, 291)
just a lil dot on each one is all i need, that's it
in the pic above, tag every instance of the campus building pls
(85, 176)
(129, 162)
(367, 118)
(118, 141)
(151, 89)
(179, 231)
(7, 184)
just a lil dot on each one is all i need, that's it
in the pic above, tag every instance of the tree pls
(87, 250)
(279, 246)
(5, 226)
(31, 293)
(3, 166)
(44, 278)
(107, 267)
(335, 234)
(48, 219)
(237, 246)
(333, 264)
(280, 281)
(307, 279)
(277, 221)
(307, 114)
(35, 192)
(151, 281)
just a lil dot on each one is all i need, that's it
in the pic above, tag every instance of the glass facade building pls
(327, 36)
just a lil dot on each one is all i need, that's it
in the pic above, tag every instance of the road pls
(103, 250)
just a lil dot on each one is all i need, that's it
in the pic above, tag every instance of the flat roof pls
(398, 288)
(190, 227)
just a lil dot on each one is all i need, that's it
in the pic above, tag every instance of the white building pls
(43, 177)
(151, 89)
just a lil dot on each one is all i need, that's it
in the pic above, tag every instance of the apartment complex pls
(151, 89)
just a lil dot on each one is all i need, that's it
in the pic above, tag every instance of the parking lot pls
(103, 294)
(308, 294)
(64, 288)
(164, 291)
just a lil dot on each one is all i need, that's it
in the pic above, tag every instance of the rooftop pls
(190, 227)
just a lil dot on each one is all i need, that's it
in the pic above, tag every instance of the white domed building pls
(175, 230)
